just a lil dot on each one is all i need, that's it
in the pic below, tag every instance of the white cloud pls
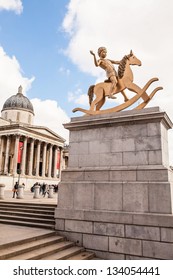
(11, 77)
(146, 27)
(120, 26)
(64, 71)
(13, 5)
(81, 99)
(78, 97)
(49, 114)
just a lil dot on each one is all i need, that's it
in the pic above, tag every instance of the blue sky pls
(44, 46)
(37, 40)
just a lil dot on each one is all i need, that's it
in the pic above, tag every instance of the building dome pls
(18, 101)
(18, 108)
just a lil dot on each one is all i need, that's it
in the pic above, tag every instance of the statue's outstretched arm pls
(95, 60)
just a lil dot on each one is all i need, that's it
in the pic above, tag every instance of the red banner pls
(58, 159)
(20, 148)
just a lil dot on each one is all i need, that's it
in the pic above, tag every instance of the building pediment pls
(35, 132)
(46, 131)
(4, 122)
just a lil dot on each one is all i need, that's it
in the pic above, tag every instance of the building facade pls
(28, 153)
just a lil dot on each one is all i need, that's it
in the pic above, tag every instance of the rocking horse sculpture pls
(124, 81)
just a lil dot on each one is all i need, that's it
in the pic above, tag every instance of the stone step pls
(48, 246)
(26, 247)
(64, 254)
(26, 214)
(44, 252)
(27, 219)
(26, 210)
(27, 223)
(82, 256)
(24, 240)
(28, 205)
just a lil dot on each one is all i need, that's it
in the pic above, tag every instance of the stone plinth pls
(36, 192)
(20, 192)
(118, 170)
(50, 194)
(2, 186)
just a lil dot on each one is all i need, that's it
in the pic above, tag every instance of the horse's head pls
(133, 60)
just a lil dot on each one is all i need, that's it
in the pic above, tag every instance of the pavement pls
(28, 198)
(11, 233)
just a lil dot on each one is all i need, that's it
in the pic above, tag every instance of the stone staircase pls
(27, 214)
(46, 246)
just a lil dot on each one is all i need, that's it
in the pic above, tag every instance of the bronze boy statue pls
(107, 65)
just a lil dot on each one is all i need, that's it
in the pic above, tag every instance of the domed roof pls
(18, 101)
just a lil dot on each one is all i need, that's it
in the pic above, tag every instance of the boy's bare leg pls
(111, 94)
(112, 90)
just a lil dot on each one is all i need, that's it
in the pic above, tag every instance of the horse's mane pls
(122, 66)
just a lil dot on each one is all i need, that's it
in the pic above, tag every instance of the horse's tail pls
(91, 93)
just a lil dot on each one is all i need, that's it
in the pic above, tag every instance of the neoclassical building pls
(28, 153)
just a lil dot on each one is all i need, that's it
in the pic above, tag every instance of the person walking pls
(15, 189)
(46, 190)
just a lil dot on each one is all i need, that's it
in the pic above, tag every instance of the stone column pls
(16, 150)
(50, 161)
(38, 158)
(23, 163)
(2, 186)
(44, 159)
(55, 162)
(61, 160)
(1, 151)
(31, 157)
(7, 155)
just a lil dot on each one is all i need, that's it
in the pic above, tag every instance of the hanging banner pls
(20, 148)
(58, 159)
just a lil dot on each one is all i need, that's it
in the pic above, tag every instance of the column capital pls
(17, 135)
(38, 141)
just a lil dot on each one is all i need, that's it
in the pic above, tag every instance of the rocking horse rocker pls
(124, 81)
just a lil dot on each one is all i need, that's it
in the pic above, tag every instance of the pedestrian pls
(46, 190)
(15, 189)
(55, 188)
(43, 188)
